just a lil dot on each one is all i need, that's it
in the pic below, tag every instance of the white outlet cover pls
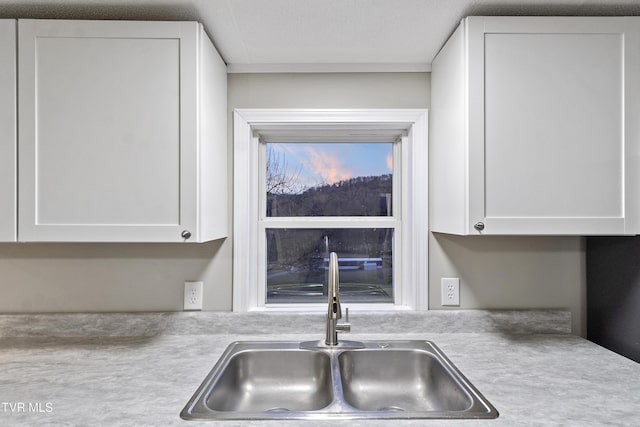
(450, 291)
(193, 295)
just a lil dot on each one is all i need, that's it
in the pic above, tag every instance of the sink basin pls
(400, 380)
(284, 380)
(273, 380)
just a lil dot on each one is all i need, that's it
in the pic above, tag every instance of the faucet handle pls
(346, 326)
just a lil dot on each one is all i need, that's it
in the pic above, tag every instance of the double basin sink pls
(370, 379)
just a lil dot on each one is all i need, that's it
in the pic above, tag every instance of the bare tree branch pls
(279, 180)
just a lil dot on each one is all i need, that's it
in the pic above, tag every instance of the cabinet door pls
(107, 130)
(8, 130)
(547, 140)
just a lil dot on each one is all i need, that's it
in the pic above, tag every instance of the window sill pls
(318, 308)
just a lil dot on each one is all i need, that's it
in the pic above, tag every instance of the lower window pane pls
(297, 264)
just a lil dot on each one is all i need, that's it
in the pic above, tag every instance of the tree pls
(279, 180)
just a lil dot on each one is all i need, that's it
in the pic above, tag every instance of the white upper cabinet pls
(122, 132)
(8, 142)
(534, 127)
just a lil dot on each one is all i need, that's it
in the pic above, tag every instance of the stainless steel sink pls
(267, 380)
(400, 380)
(281, 380)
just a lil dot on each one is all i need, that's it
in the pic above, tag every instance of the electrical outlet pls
(450, 287)
(193, 295)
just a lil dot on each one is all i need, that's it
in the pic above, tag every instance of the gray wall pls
(70, 277)
(504, 272)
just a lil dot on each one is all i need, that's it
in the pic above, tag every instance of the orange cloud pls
(390, 162)
(327, 165)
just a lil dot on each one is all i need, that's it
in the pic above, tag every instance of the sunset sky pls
(327, 163)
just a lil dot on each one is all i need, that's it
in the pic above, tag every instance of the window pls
(310, 182)
(349, 182)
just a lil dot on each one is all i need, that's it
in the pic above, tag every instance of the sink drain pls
(277, 409)
(392, 408)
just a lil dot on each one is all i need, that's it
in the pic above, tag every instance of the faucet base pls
(343, 344)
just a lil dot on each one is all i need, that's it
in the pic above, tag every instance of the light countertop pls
(141, 369)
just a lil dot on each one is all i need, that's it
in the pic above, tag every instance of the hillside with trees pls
(360, 196)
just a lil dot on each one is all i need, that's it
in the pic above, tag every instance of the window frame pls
(409, 126)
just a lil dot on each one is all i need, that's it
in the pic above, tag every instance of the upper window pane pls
(329, 179)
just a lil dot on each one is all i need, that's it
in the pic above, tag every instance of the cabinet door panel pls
(554, 142)
(7, 130)
(107, 111)
(107, 130)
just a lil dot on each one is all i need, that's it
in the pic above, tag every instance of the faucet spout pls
(334, 312)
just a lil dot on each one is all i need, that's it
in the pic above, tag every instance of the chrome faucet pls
(334, 313)
(334, 310)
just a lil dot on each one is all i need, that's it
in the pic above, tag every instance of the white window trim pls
(250, 123)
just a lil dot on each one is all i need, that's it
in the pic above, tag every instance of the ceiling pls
(317, 35)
